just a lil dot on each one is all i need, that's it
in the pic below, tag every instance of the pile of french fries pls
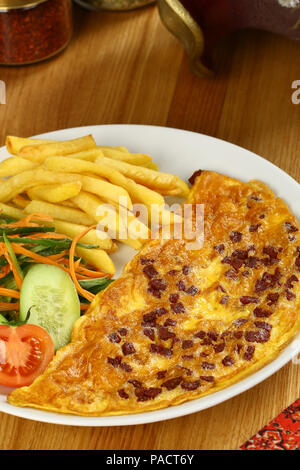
(70, 181)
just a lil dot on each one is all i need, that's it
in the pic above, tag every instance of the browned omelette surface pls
(181, 323)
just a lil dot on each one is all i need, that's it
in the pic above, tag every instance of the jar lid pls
(16, 4)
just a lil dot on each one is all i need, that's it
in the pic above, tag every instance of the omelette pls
(181, 323)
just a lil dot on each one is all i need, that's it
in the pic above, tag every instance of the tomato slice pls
(25, 352)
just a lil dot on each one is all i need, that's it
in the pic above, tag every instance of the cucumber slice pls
(51, 296)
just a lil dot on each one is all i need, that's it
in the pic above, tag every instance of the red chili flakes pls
(238, 334)
(170, 322)
(272, 298)
(267, 281)
(123, 394)
(186, 269)
(221, 289)
(172, 383)
(150, 271)
(224, 300)
(114, 361)
(187, 357)
(158, 349)
(157, 284)
(173, 298)
(128, 348)
(192, 179)
(297, 262)
(200, 334)
(228, 361)
(231, 274)
(260, 313)
(114, 338)
(155, 293)
(173, 272)
(264, 325)
(207, 378)
(246, 299)
(245, 273)
(254, 228)
(192, 290)
(206, 342)
(187, 343)
(219, 347)
(208, 365)
(238, 348)
(248, 355)
(270, 251)
(189, 386)
(160, 311)
(252, 262)
(165, 334)
(126, 367)
(261, 336)
(145, 394)
(149, 332)
(262, 216)
(181, 286)
(149, 319)
(135, 383)
(122, 331)
(161, 374)
(146, 261)
(235, 237)
(178, 307)
(289, 282)
(289, 295)
(219, 248)
(213, 335)
(225, 334)
(290, 228)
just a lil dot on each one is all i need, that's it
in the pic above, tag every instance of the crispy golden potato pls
(40, 152)
(98, 258)
(59, 212)
(15, 165)
(14, 144)
(55, 192)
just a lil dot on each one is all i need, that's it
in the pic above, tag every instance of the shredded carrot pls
(9, 293)
(84, 306)
(37, 216)
(84, 293)
(6, 306)
(20, 250)
(17, 277)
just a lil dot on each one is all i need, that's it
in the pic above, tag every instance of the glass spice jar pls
(31, 31)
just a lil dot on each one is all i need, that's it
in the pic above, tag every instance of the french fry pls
(150, 178)
(80, 166)
(104, 189)
(150, 165)
(14, 144)
(59, 212)
(133, 158)
(22, 182)
(13, 212)
(55, 192)
(89, 155)
(14, 165)
(108, 218)
(109, 147)
(40, 152)
(98, 258)
(91, 238)
(20, 201)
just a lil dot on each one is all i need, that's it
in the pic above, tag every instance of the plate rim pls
(193, 406)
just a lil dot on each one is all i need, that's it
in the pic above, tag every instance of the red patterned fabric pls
(283, 433)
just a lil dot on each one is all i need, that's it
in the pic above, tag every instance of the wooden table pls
(127, 68)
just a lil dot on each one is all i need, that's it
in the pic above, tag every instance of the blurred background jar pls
(31, 31)
(113, 4)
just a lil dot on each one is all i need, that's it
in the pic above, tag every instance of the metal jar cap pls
(6, 5)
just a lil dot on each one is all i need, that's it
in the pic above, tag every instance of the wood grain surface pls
(127, 68)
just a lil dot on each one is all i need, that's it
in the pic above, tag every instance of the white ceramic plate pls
(178, 152)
